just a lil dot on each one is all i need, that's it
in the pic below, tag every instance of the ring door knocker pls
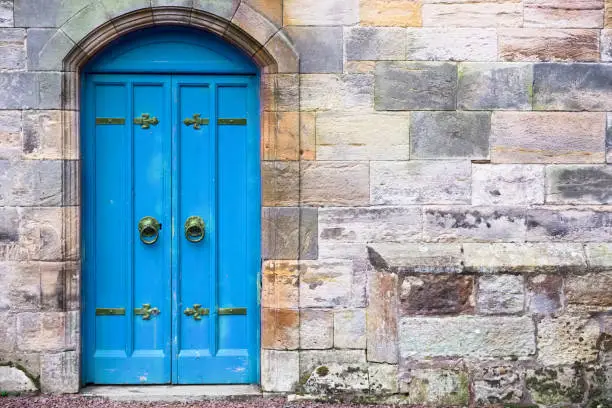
(194, 229)
(148, 228)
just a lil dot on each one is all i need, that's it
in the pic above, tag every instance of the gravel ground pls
(77, 402)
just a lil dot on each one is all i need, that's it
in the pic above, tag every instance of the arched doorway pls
(171, 211)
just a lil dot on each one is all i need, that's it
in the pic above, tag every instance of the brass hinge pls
(231, 121)
(110, 311)
(145, 121)
(232, 311)
(110, 121)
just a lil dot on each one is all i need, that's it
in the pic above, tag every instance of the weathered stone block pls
(599, 255)
(326, 284)
(495, 86)
(387, 13)
(281, 92)
(281, 135)
(609, 139)
(6, 13)
(456, 44)
(115, 8)
(544, 294)
(257, 25)
(47, 48)
(466, 336)
(501, 294)
(608, 14)
(321, 12)
(594, 289)
(372, 224)
(606, 45)
(450, 135)
(281, 183)
(316, 329)
(22, 287)
(492, 13)
(308, 138)
(84, 20)
(382, 318)
(375, 43)
(279, 370)
(13, 380)
(320, 48)
(417, 258)
(558, 385)
(8, 331)
(272, 9)
(383, 379)
(507, 184)
(43, 232)
(289, 233)
(334, 379)
(336, 92)
(402, 85)
(568, 339)
(437, 295)
(25, 90)
(496, 384)
(420, 182)
(222, 8)
(532, 44)
(350, 329)
(31, 183)
(280, 329)
(10, 135)
(60, 286)
(547, 137)
(505, 257)
(43, 135)
(439, 387)
(59, 373)
(45, 13)
(355, 136)
(579, 185)
(312, 359)
(573, 87)
(335, 183)
(43, 331)
(280, 285)
(569, 225)
(474, 224)
(12, 49)
(564, 13)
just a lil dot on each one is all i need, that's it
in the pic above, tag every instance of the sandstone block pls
(280, 329)
(474, 224)
(11, 247)
(544, 293)
(360, 67)
(60, 286)
(372, 224)
(31, 183)
(337, 92)
(547, 137)
(382, 318)
(593, 289)
(536, 44)
(455, 44)
(387, 13)
(350, 329)
(420, 182)
(45, 13)
(495, 384)
(599, 255)
(466, 336)
(272, 9)
(280, 285)
(257, 25)
(450, 135)
(505, 257)
(436, 295)
(493, 13)
(13, 380)
(43, 232)
(573, 87)
(326, 283)
(308, 139)
(281, 92)
(383, 379)
(59, 372)
(12, 49)
(569, 225)
(279, 370)
(26, 90)
(402, 85)
(417, 258)
(22, 287)
(316, 329)
(606, 45)
(609, 139)
(84, 20)
(10, 135)
(357, 136)
(8, 331)
(495, 86)
(439, 387)
(43, 331)
(281, 135)
(321, 12)
(335, 183)
(564, 13)
(500, 294)
(568, 339)
(43, 134)
(280, 183)
(289, 233)
(608, 14)
(507, 184)
(555, 385)
(312, 359)
(6, 13)
(334, 378)
(221, 8)
(375, 43)
(578, 185)
(320, 48)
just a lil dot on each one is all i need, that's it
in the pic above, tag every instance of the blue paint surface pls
(171, 171)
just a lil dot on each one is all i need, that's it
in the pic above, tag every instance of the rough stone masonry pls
(437, 221)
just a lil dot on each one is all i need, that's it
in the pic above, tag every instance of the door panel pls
(187, 165)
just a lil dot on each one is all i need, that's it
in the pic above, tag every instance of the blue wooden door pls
(171, 229)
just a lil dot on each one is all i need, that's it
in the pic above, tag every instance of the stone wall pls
(437, 221)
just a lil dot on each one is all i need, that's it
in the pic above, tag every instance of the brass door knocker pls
(194, 229)
(148, 228)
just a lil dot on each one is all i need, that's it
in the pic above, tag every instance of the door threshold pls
(171, 393)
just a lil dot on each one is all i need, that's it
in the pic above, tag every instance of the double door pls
(171, 230)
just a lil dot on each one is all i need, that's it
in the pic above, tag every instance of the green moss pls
(322, 371)
(547, 388)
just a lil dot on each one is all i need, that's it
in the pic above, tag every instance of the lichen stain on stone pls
(578, 183)
(469, 219)
(377, 261)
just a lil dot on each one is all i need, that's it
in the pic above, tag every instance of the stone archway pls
(88, 32)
